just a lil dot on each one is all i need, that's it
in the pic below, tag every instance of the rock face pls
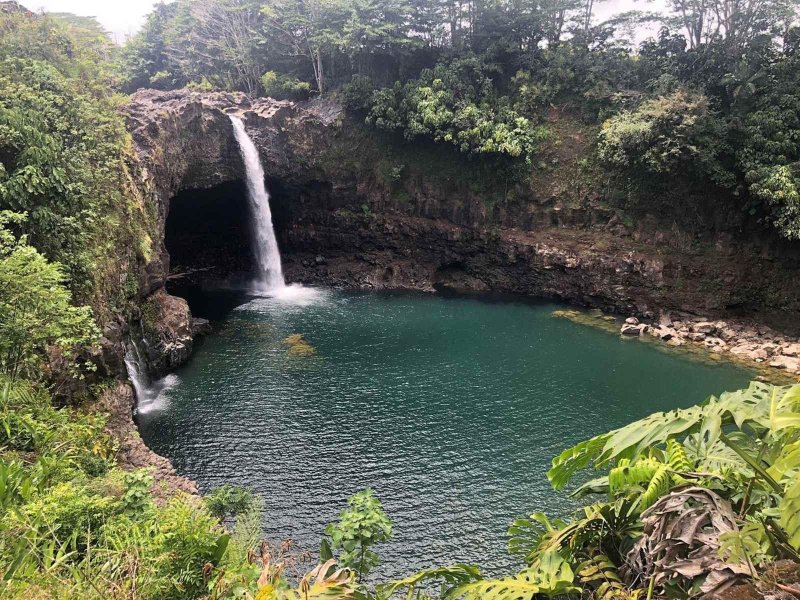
(168, 331)
(349, 213)
(118, 402)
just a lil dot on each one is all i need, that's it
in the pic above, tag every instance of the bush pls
(193, 539)
(35, 308)
(229, 501)
(456, 104)
(357, 95)
(68, 513)
(361, 525)
(285, 87)
(665, 136)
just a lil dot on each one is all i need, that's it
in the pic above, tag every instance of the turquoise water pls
(449, 408)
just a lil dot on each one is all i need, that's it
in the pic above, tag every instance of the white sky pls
(120, 17)
(124, 17)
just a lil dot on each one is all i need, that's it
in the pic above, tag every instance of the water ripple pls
(451, 409)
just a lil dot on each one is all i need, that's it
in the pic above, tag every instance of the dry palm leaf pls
(681, 542)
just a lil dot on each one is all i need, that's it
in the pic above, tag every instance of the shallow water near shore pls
(449, 408)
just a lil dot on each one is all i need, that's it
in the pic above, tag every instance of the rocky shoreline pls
(119, 403)
(746, 341)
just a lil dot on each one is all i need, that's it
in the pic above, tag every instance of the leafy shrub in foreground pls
(35, 307)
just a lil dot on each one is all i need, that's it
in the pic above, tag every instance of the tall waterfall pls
(267, 254)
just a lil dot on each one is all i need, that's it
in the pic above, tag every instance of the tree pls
(227, 34)
(35, 307)
(307, 29)
(769, 155)
(736, 22)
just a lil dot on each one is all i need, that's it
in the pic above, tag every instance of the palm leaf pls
(552, 575)
(790, 513)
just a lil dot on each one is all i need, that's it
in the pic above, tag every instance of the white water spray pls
(268, 257)
(149, 394)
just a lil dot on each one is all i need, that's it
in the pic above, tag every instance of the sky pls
(123, 18)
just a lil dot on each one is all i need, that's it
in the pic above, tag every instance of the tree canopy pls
(713, 97)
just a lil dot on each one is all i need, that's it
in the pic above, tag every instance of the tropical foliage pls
(710, 104)
(36, 314)
(63, 150)
(681, 503)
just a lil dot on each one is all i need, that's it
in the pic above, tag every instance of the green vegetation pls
(35, 310)
(360, 526)
(63, 151)
(709, 107)
(75, 526)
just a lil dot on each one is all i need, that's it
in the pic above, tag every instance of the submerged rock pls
(298, 345)
(200, 326)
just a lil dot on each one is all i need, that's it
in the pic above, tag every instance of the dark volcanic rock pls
(167, 331)
(118, 403)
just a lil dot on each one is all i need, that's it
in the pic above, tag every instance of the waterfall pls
(149, 394)
(267, 255)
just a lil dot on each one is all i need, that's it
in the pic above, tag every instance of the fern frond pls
(659, 485)
(677, 458)
(621, 478)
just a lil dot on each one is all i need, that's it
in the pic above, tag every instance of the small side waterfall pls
(149, 394)
(267, 254)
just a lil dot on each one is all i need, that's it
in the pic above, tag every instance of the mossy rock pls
(298, 345)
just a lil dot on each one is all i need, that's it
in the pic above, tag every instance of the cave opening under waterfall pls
(208, 235)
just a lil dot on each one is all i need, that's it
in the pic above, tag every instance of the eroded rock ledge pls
(119, 403)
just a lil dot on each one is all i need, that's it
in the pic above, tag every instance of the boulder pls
(631, 329)
(714, 342)
(786, 362)
(200, 326)
(632, 321)
(704, 327)
(791, 349)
